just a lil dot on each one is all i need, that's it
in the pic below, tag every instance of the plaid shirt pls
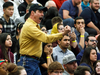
(9, 27)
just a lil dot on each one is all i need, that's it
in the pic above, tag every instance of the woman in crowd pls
(97, 68)
(46, 57)
(15, 41)
(89, 58)
(5, 44)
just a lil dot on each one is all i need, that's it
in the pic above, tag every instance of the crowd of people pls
(49, 37)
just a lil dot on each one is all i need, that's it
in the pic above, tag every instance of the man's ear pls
(75, 25)
(4, 9)
(86, 43)
(32, 13)
(58, 41)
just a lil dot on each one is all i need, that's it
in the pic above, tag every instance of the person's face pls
(44, 29)
(71, 67)
(79, 24)
(98, 68)
(3, 69)
(1, 28)
(38, 16)
(56, 72)
(93, 55)
(8, 42)
(61, 28)
(77, 2)
(9, 11)
(65, 42)
(87, 73)
(95, 5)
(48, 47)
(23, 72)
(92, 42)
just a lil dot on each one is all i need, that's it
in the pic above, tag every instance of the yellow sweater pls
(31, 39)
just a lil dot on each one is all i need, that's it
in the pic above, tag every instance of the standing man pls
(69, 11)
(31, 39)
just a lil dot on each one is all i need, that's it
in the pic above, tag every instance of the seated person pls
(84, 4)
(80, 32)
(46, 58)
(82, 70)
(3, 67)
(55, 68)
(69, 11)
(92, 17)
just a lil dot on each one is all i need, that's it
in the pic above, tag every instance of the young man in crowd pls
(9, 25)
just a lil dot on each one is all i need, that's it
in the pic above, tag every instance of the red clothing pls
(59, 3)
(10, 54)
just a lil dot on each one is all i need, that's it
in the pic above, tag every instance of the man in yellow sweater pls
(31, 39)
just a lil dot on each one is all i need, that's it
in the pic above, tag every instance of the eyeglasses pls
(94, 40)
(1, 28)
(60, 28)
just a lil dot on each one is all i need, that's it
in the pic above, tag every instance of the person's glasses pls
(94, 40)
(1, 28)
(60, 28)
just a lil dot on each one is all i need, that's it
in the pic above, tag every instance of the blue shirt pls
(84, 6)
(58, 54)
(78, 37)
(73, 10)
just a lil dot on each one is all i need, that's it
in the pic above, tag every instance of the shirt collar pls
(60, 50)
(29, 19)
(76, 32)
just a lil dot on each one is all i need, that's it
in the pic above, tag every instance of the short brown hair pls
(55, 66)
(56, 19)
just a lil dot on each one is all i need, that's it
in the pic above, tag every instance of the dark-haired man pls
(90, 41)
(9, 25)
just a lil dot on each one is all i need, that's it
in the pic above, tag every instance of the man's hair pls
(81, 70)
(56, 19)
(1, 22)
(87, 38)
(77, 18)
(7, 4)
(91, 1)
(55, 66)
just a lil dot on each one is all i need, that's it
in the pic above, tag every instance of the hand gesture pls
(67, 29)
(73, 36)
(82, 31)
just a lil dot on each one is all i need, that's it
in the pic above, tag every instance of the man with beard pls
(62, 50)
(31, 38)
(90, 41)
(69, 64)
(92, 17)
(69, 11)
